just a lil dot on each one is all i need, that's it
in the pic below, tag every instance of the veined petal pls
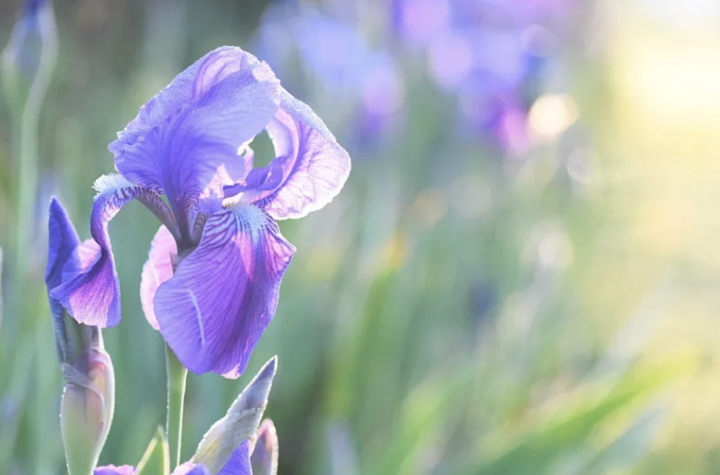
(113, 470)
(92, 296)
(239, 463)
(213, 311)
(157, 270)
(313, 166)
(186, 143)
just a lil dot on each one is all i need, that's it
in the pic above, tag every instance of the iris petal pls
(190, 468)
(113, 470)
(63, 240)
(213, 311)
(187, 86)
(314, 166)
(239, 463)
(157, 269)
(92, 295)
(184, 142)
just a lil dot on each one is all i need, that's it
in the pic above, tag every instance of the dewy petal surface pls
(157, 270)
(214, 309)
(309, 170)
(187, 138)
(93, 295)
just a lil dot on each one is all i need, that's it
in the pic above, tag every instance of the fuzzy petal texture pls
(309, 170)
(157, 270)
(239, 463)
(213, 311)
(185, 141)
(92, 296)
(113, 470)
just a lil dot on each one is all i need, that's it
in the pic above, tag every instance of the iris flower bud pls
(86, 409)
(88, 399)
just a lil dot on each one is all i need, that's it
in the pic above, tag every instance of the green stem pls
(176, 379)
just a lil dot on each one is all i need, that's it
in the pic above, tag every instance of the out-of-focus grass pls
(453, 311)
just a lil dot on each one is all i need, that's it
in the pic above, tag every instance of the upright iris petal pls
(310, 167)
(177, 147)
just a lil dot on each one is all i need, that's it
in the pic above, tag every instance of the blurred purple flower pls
(213, 276)
(239, 464)
(338, 56)
(418, 21)
(33, 33)
(489, 52)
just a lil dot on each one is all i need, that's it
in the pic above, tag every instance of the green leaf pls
(156, 460)
(571, 427)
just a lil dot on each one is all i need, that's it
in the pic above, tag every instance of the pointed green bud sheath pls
(264, 458)
(240, 423)
(156, 460)
(86, 409)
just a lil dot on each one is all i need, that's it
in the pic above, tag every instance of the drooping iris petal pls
(193, 129)
(310, 168)
(214, 309)
(113, 470)
(93, 295)
(157, 269)
(239, 463)
(63, 242)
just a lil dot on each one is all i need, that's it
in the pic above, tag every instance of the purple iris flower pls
(239, 464)
(213, 276)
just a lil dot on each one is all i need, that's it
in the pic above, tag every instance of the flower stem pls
(176, 379)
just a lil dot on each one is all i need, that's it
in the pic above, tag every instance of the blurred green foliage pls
(447, 314)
